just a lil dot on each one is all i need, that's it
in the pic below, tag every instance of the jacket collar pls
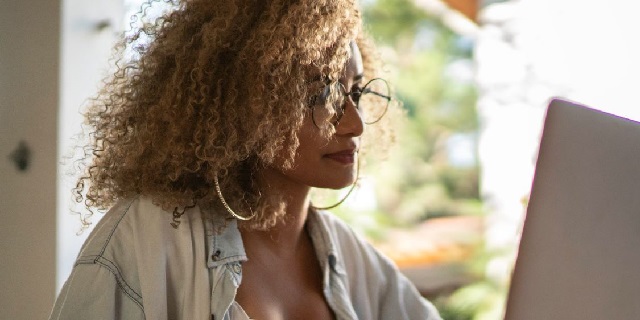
(225, 246)
(324, 244)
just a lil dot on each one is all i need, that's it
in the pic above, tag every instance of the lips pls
(343, 157)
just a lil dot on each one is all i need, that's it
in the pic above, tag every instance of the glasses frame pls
(354, 96)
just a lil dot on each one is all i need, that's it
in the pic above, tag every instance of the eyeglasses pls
(372, 102)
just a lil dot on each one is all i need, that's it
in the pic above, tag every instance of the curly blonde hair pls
(219, 90)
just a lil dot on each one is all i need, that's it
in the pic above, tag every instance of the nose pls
(351, 123)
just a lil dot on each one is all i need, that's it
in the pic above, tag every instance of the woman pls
(205, 147)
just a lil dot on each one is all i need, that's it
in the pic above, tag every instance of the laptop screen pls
(579, 255)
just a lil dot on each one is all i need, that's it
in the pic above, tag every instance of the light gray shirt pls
(135, 265)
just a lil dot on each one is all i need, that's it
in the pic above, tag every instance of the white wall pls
(52, 57)
(29, 81)
(89, 30)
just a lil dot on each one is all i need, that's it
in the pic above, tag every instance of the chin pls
(338, 184)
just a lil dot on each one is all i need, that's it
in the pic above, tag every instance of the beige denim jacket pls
(135, 265)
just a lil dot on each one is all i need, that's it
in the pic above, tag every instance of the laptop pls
(579, 255)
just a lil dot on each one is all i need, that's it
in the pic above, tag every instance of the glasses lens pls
(374, 100)
(326, 106)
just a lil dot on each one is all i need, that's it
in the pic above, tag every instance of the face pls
(329, 162)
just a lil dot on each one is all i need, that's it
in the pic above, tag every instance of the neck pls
(287, 235)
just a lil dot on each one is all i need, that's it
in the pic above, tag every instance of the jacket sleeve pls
(93, 291)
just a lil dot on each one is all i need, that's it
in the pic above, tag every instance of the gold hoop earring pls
(226, 206)
(353, 186)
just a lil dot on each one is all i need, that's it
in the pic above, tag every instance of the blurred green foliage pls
(430, 69)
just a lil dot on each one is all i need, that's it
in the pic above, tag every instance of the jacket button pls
(216, 255)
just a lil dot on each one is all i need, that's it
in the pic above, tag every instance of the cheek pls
(308, 155)
(311, 169)
(311, 142)
(302, 153)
